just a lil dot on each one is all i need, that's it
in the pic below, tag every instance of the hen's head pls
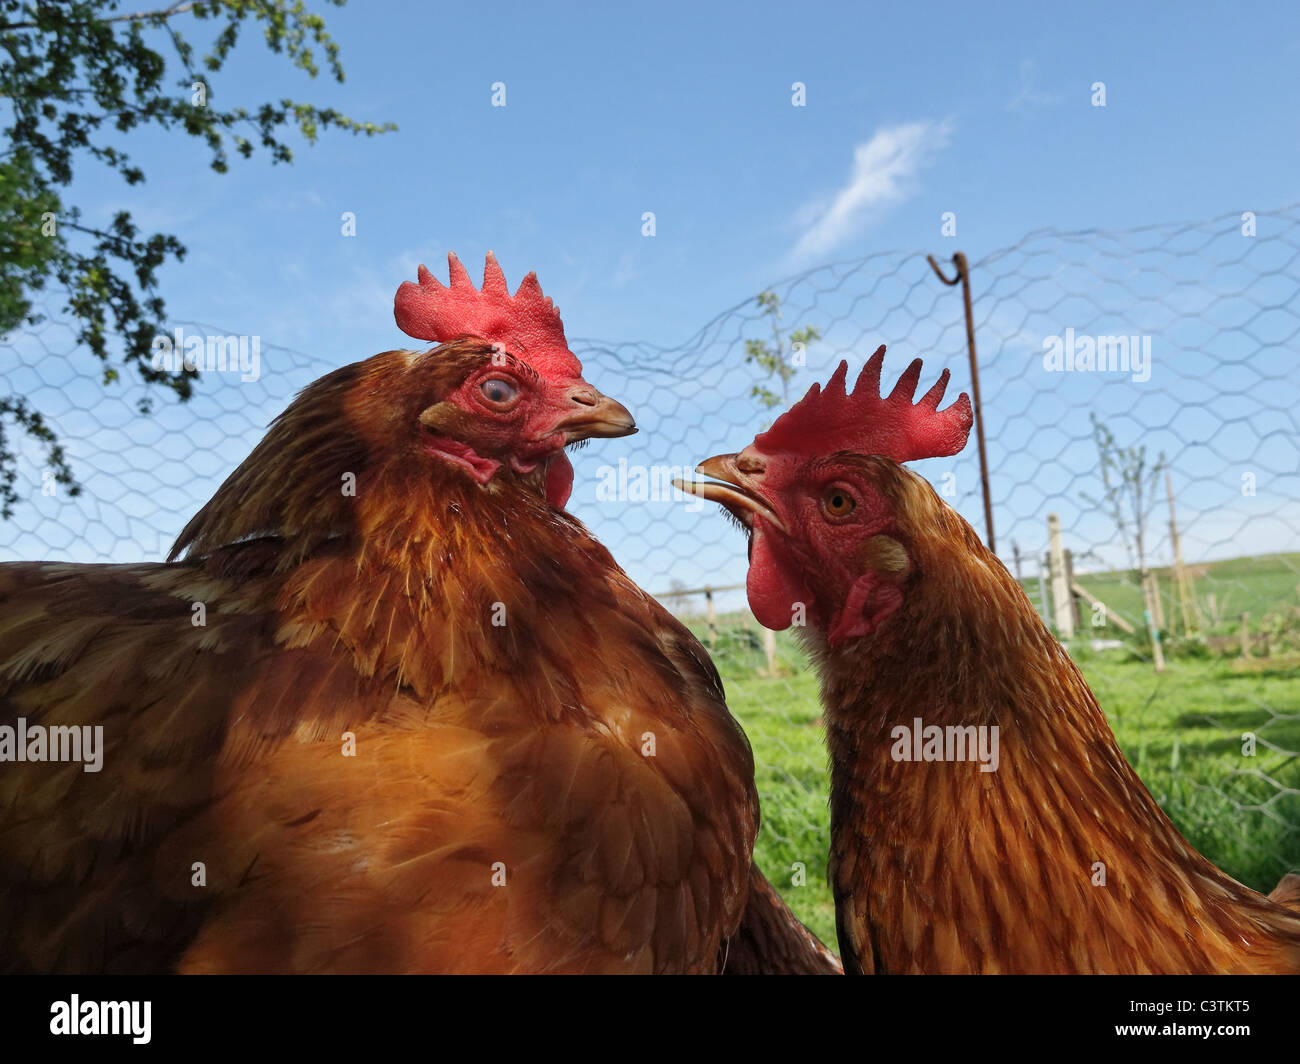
(504, 388)
(837, 526)
(491, 407)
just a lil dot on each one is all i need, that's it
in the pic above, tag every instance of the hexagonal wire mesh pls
(1213, 306)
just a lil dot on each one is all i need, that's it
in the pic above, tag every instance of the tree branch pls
(175, 9)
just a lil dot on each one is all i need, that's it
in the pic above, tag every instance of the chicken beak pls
(595, 415)
(741, 500)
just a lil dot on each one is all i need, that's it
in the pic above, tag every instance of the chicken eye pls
(838, 503)
(497, 390)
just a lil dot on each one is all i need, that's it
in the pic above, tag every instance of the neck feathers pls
(294, 485)
(1059, 860)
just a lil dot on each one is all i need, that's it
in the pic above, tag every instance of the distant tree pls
(75, 77)
(675, 601)
(1131, 482)
(773, 357)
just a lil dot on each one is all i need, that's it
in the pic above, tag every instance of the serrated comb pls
(526, 324)
(832, 419)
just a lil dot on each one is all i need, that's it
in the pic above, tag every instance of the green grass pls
(1182, 732)
(1261, 585)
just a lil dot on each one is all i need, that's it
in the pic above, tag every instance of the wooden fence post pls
(1062, 603)
(1184, 598)
(1149, 615)
(1157, 603)
(1076, 607)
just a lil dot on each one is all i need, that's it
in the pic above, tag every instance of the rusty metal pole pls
(963, 275)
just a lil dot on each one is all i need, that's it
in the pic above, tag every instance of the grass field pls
(1182, 731)
(1262, 585)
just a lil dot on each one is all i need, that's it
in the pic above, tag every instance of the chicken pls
(983, 818)
(772, 941)
(1287, 891)
(386, 708)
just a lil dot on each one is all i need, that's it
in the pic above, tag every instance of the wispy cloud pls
(884, 169)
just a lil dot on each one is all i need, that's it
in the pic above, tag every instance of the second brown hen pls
(983, 818)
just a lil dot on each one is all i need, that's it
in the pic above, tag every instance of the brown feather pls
(939, 867)
(481, 750)
(772, 941)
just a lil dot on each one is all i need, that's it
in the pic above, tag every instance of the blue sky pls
(685, 110)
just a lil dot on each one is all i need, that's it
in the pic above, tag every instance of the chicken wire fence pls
(1205, 376)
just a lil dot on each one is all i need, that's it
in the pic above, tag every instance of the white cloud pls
(883, 172)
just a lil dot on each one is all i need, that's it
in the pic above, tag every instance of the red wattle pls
(771, 585)
(559, 480)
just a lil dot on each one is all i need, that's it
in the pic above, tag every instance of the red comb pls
(831, 419)
(527, 324)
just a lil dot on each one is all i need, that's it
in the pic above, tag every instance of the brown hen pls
(394, 710)
(983, 818)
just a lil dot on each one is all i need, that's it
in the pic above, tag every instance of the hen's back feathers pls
(113, 646)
